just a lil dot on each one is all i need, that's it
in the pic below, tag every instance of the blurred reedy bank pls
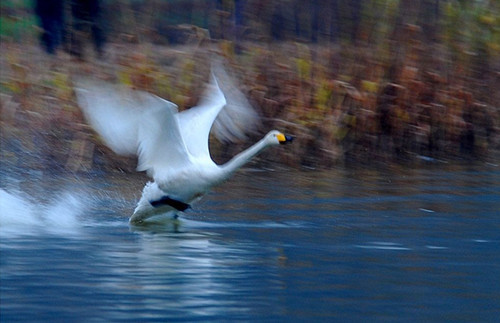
(355, 81)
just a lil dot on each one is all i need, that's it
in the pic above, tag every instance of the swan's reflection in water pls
(179, 267)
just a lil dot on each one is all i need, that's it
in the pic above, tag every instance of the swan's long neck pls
(242, 158)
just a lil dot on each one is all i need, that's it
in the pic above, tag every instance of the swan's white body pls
(172, 147)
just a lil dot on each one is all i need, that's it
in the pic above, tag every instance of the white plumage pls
(171, 146)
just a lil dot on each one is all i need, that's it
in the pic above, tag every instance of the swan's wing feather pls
(238, 117)
(109, 111)
(222, 108)
(161, 146)
(134, 122)
(195, 123)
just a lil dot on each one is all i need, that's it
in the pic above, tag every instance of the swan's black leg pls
(165, 200)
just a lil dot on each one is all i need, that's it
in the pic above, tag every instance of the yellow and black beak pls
(284, 139)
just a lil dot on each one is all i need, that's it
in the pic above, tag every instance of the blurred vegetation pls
(356, 81)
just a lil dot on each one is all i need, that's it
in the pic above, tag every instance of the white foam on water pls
(64, 213)
(382, 245)
(16, 211)
(436, 247)
(21, 215)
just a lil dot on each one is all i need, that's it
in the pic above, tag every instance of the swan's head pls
(276, 137)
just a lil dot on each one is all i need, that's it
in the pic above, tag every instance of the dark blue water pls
(393, 244)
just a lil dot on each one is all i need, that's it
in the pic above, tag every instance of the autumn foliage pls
(374, 82)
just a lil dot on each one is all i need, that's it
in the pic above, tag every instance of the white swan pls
(171, 146)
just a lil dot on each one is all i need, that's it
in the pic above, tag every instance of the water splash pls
(16, 211)
(20, 215)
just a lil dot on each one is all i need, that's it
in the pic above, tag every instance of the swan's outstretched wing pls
(238, 117)
(161, 146)
(105, 108)
(195, 123)
(222, 106)
(135, 122)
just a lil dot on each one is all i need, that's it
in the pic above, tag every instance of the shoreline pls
(338, 118)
